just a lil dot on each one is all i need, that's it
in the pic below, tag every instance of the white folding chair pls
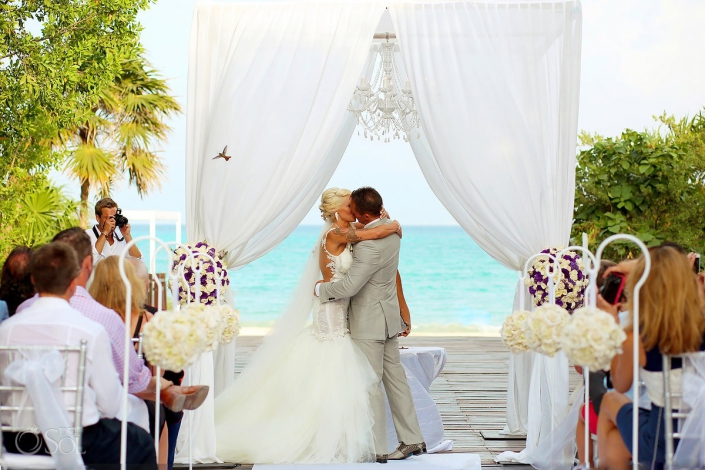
(675, 408)
(138, 342)
(16, 416)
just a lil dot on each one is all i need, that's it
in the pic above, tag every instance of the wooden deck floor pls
(470, 392)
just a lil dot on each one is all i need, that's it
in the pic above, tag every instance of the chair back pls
(676, 409)
(138, 342)
(16, 414)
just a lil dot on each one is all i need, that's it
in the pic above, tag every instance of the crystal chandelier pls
(383, 108)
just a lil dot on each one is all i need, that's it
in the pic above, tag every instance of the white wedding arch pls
(496, 85)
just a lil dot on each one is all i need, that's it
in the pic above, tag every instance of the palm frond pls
(94, 164)
(121, 135)
(47, 209)
(145, 169)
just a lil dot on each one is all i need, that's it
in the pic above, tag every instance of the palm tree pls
(120, 136)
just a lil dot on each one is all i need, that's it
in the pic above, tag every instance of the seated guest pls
(109, 290)
(51, 321)
(15, 283)
(172, 419)
(671, 321)
(141, 382)
(107, 239)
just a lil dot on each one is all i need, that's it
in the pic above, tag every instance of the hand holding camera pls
(612, 289)
(610, 296)
(108, 226)
(120, 220)
(123, 225)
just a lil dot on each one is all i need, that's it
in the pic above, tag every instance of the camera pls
(120, 220)
(613, 288)
(696, 264)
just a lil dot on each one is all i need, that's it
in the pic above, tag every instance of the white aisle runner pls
(425, 462)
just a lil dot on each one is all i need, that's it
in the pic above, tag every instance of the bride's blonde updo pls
(331, 200)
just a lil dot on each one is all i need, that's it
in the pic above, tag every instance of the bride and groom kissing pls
(314, 394)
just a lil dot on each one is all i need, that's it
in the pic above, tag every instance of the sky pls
(639, 59)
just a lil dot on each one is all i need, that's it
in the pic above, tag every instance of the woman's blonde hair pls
(108, 289)
(331, 200)
(670, 310)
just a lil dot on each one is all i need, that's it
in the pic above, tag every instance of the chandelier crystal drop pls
(383, 108)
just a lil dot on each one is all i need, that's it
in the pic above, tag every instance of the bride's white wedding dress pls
(304, 397)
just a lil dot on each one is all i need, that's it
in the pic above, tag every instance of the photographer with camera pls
(112, 232)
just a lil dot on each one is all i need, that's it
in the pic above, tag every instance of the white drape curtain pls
(272, 82)
(497, 87)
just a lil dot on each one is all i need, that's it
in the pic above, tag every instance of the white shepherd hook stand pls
(551, 301)
(173, 277)
(591, 296)
(128, 345)
(635, 327)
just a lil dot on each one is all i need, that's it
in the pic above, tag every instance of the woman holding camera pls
(671, 321)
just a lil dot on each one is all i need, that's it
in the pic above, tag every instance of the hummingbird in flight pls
(223, 155)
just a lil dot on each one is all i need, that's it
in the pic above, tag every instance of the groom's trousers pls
(385, 360)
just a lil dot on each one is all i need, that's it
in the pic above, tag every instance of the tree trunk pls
(85, 185)
(84, 203)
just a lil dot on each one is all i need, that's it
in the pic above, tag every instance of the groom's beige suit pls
(375, 322)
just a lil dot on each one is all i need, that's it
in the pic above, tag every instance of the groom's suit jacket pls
(371, 284)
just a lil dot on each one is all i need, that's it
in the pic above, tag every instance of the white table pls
(422, 365)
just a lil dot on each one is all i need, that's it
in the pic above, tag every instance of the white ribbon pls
(40, 374)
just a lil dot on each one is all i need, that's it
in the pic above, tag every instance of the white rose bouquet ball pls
(513, 332)
(173, 340)
(592, 338)
(231, 323)
(210, 320)
(544, 327)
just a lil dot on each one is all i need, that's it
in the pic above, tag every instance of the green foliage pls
(32, 211)
(119, 136)
(57, 57)
(645, 184)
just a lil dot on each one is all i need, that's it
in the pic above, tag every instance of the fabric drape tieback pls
(40, 378)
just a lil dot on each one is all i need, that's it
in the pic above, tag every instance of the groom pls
(375, 323)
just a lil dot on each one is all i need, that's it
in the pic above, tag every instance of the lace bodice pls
(330, 319)
(339, 264)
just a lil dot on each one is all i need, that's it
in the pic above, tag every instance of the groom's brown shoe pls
(381, 458)
(406, 450)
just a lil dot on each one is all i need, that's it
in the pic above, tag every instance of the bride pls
(303, 398)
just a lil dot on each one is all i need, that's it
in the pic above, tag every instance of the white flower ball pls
(209, 319)
(544, 327)
(231, 324)
(592, 338)
(173, 340)
(513, 332)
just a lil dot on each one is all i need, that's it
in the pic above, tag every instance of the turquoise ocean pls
(450, 283)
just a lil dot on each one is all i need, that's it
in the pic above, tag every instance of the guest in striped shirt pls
(141, 383)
